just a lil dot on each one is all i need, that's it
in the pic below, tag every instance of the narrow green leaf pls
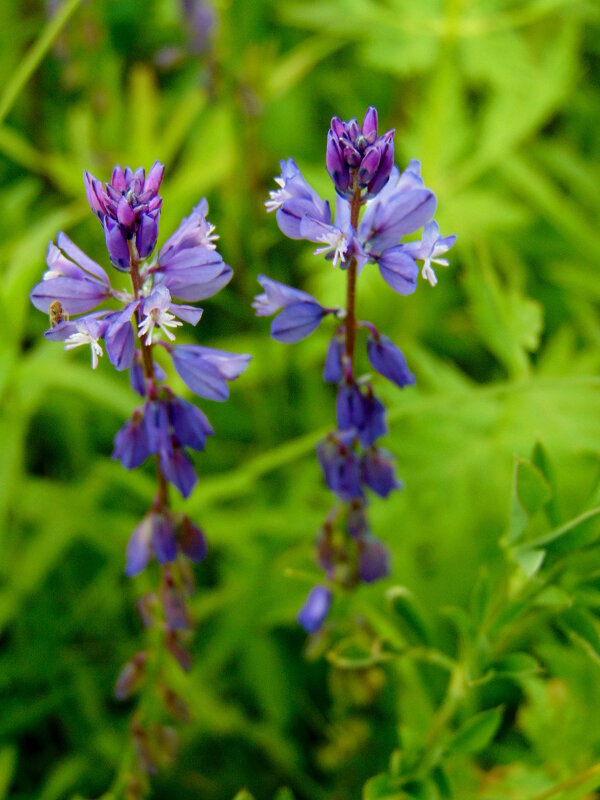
(476, 733)
(533, 490)
(409, 615)
(581, 626)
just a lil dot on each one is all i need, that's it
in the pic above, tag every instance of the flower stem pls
(350, 321)
(162, 496)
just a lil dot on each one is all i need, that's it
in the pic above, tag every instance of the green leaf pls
(243, 794)
(8, 762)
(533, 490)
(383, 787)
(476, 733)
(530, 561)
(582, 628)
(409, 615)
(516, 665)
(574, 534)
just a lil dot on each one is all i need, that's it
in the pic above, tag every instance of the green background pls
(499, 99)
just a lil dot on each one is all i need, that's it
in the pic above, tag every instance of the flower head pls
(357, 150)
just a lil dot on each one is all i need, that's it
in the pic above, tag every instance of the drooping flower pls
(206, 370)
(300, 313)
(294, 199)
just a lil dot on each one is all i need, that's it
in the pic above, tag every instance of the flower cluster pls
(376, 207)
(77, 294)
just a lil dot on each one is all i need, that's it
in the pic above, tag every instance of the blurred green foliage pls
(473, 671)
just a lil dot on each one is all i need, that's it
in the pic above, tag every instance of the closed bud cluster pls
(376, 206)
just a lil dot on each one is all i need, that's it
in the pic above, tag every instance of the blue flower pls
(206, 370)
(430, 248)
(315, 609)
(389, 361)
(377, 472)
(373, 561)
(301, 314)
(295, 198)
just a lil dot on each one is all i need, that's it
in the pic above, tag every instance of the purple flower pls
(163, 538)
(139, 548)
(341, 466)
(188, 264)
(354, 150)
(389, 361)
(72, 278)
(82, 331)
(294, 199)
(398, 270)
(332, 372)
(158, 429)
(178, 470)
(373, 561)
(363, 413)
(192, 541)
(430, 248)
(388, 218)
(190, 425)
(339, 244)
(131, 202)
(301, 314)
(315, 609)
(120, 338)
(377, 472)
(206, 370)
(131, 442)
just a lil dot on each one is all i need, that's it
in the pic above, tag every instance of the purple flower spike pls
(139, 548)
(206, 371)
(377, 472)
(374, 561)
(351, 149)
(389, 361)
(315, 609)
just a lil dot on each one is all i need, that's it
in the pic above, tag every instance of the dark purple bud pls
(377, 472)
(341, 468)
(179, 470)
(399, 270)
(94, 192)
(131, 443)
(386, 163)
(125, 216)
(351, 157)
(146, 235)
(389, 361)
(178, 651)
(192, 541)
(369, 164)
(139, 548)
(315, 609)
(369, 125)
(332, 372)
(373, 561)
(173, 604)
(116, 243)
(148, 606)
(350, 407)
(156, 423)
(374, 424)
(163, 538)
(358, 526)
(154, 178)
(190, 425)
(131, 676)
